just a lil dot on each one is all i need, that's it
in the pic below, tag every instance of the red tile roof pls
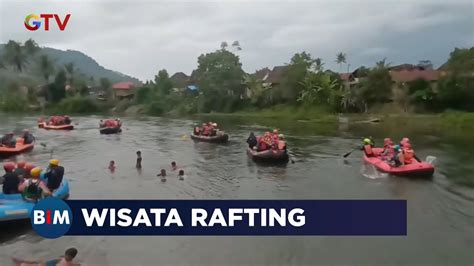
(123, 86)
(411, 75)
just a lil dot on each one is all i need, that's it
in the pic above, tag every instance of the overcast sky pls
(140, 37)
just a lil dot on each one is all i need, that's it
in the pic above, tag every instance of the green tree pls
(318, 64)
(377, 87)
(46, 67)
(224, 45)
(70, 69)
(14, 55)
(461, 60)
(341, 59)
(220, 77)
(163, 82)
(57, 90)
(291, 87)
(31, 47)
(106, 86)
(256, 88)
(319, 88)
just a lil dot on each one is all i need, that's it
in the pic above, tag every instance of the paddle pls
(349, 153)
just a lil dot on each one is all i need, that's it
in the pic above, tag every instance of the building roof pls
(277, 74)
(260, 74)
(179, 79)
(123, 86)
(345, 76)
(411, 75)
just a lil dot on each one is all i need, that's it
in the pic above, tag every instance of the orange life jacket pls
(408, 154)
(281, 145)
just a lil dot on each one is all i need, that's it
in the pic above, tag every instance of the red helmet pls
(9, 166)
(29, 167)
(387, 141)
(20, 164)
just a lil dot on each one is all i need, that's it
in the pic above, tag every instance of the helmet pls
(36, 172)
(20, 164)
(66, 116)
(281, 136)
(26, 130)
(54, 162)
(9, 166)
(396, 147)
(10, 133)
(405, 140)
(387, 141)
(275, 131)
(367, 141)
(28, 167)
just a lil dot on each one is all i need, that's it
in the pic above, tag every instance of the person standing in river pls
(139, 160)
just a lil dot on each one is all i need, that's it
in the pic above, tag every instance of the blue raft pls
(14, 207)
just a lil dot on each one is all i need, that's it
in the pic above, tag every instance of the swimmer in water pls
(162, 174)
(181, 175)
(173, 166)
(139, 159)
(66, 260)
(112, 166)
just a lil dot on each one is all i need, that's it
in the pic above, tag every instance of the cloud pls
(140, 37)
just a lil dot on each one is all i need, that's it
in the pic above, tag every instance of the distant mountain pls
(84, 65)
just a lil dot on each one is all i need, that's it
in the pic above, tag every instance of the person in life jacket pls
(196, 131)
(367, 147)
(408, 153)
(206, 130)
(54, 174)
(398, 158)
(404, 141)
(67, 120)
(265, 142)
(9, 140)
(252, 140)
(275, 139)
(10, 180)
(387, 148)
(28, 137)
(213, 129)
(118, 122)
(20, 170)
(28, 168)
(281, 142)
(33, 188)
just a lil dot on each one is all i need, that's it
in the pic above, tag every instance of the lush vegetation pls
(30, 79)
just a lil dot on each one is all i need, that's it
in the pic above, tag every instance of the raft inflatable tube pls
(110, 130)
(268, 156)
(414, 169)
(214, 139)
(52, 127)
(19, 148)
(14, 207)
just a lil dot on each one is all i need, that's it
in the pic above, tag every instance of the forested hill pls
(84, 65)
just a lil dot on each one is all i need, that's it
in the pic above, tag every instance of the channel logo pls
(51, 218)
(33, 22)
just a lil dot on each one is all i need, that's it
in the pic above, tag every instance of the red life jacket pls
(408, 154)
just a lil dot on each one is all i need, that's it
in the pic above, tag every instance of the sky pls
(140, 37)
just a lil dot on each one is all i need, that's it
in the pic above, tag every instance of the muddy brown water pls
(440, 210)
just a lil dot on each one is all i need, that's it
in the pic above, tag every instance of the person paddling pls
(139, 160)
(33, 188)
(252, 140)
(10, 180)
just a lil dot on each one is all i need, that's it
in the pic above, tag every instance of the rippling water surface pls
(440, 213)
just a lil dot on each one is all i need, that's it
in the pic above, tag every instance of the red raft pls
(53, 127)
(19, 148)
(268, 156)
(414, 169)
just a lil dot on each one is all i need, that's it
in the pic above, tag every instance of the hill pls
(84, 64)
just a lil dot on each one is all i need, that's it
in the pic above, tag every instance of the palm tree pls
(382, 63)
(14, 55)
(318, 64)
(341, 59)
(256, 88)
(46, 67)
(70, 71)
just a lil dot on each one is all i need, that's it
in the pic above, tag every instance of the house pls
(124, 90)
(180, 80)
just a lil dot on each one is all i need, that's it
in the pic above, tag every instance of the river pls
(440, 210)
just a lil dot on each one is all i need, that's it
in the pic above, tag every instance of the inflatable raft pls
(268, 156)
(19, 148)
(214, 139)
(52, 127)
(14, 207)
(414, 169)
(110, 130)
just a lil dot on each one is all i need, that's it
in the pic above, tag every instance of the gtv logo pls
(33, 22)
(51, 218)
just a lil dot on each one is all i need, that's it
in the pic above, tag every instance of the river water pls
(440, 210)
